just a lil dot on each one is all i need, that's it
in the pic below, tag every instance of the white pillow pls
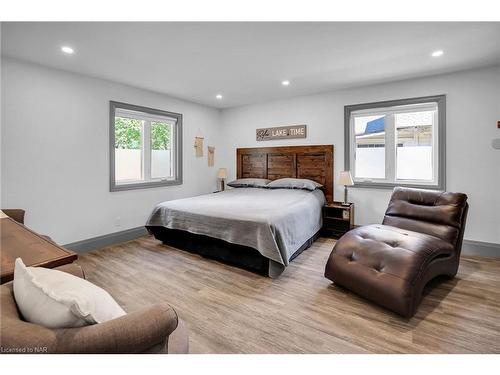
(57, 299)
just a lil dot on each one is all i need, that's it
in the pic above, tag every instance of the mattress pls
(275, 222)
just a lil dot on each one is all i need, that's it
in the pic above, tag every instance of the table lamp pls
(345, 179)
(222, 175)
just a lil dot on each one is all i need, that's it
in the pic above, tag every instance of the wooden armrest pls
(15, 213)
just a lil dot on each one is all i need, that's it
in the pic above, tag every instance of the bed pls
(255, 228)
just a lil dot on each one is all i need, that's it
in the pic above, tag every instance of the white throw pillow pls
(57, 299)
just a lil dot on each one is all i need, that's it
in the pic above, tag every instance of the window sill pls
(144, 185)
(390, 185)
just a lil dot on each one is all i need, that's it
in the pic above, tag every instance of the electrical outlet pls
(118, 221)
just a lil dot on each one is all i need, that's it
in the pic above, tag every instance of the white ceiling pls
(246, 62)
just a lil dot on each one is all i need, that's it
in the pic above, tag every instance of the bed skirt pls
(213, 248)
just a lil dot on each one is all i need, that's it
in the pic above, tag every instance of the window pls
(397, 143)
(145, 147)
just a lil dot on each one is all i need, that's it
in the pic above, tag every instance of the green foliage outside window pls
(160, 136)
(128, 134)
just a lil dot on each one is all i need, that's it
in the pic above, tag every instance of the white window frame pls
(148, 115)
(390, 108)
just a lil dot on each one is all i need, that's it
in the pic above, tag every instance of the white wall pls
(473, 166)
(55, 161)
(54, 146)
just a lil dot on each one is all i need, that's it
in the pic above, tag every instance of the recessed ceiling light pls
(218, 96)
(285, 82)
(437, 53)
(67, 49)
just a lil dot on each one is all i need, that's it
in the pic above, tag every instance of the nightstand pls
(337, 219)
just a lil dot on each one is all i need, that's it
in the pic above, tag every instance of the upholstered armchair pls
(153, 329)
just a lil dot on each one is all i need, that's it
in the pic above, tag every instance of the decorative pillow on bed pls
(56, 299)
(294, 183)
(249, 182)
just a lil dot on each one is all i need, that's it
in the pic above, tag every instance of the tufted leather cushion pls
(391, 250)
(384, 263)
(426, 211)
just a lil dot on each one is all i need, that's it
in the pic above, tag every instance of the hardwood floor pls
(230, 310)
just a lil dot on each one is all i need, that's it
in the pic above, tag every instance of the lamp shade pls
(345, 178)
(222, 173)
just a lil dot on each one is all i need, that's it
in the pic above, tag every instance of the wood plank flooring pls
(230, 310)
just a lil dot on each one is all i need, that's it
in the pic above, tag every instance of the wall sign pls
(282, 132)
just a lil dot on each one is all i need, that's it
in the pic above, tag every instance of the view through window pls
(396, 145)
(146, 147)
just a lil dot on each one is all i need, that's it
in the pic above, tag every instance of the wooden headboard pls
(311, 162)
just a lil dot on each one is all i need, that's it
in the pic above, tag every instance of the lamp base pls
(345, 203)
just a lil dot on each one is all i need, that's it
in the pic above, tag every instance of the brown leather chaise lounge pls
(420, 238)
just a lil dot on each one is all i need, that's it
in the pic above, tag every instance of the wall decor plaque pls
(211, 156)
(198, 146)
(281, 132)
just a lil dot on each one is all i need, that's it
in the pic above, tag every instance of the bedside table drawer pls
(334, 224)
